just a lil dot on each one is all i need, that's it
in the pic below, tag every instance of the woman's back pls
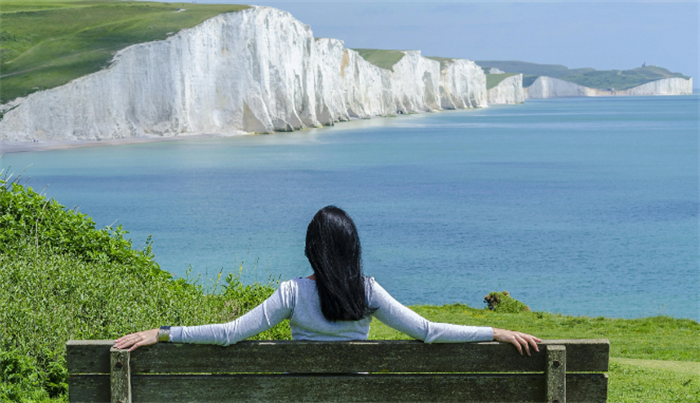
(307, 320)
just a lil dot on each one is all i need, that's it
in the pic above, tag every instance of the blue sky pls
(602, 35)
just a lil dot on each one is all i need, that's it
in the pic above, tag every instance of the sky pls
(599, 34)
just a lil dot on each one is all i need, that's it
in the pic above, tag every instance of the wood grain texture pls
(555, 373)
(588, 388)
(325, 357)
(120, 377)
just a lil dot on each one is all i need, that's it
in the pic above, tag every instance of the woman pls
(336, 303)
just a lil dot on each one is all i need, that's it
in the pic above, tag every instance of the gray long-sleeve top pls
(297, 300)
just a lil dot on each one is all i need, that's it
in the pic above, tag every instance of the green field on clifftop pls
(493, 80)
(588, 77)
(47, 43)
(385, 59)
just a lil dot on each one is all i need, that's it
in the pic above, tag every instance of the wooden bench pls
(298, 371)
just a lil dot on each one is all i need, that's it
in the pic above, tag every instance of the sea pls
(579, 206)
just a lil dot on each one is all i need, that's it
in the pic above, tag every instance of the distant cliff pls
(508, 91)
(667, 86)
(586, 77)
(257, 70)
(548, 87)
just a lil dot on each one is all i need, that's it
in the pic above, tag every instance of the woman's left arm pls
(263, 317)
(397, 316)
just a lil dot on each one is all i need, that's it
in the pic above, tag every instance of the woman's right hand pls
(518, 339)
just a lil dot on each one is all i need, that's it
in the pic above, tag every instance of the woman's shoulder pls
(370, 282)
(297, 283)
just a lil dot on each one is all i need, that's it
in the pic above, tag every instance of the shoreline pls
(12, 147)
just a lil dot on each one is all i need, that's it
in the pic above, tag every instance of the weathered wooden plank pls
(88, 356)
(88, 388)
(556, 374)
(356, 356)
(588, 388)
(120, 377)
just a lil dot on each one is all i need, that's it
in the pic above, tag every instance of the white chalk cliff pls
(548, 87)
(257, 70)
(666, 86)
(508, 91)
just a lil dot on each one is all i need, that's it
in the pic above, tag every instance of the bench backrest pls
(297, 371)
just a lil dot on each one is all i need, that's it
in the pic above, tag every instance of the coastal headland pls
(237, 70)
(553, 81)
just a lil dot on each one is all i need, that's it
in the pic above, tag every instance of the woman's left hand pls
(135, 340)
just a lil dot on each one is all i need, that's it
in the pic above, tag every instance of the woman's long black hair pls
(333, 249)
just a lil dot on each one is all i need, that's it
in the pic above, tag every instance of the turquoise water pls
(579, 206)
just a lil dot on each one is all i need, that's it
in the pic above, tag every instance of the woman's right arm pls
(263, 317)
(397, 316)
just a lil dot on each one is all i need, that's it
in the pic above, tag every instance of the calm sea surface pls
(579, 206)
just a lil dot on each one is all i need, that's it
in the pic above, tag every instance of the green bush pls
(27, 216)
(62, 279)
(19, 378)
(502, 302)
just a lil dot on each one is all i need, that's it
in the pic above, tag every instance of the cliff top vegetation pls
(47, 43)
(492, 80)
(588, 77)
(385, 59)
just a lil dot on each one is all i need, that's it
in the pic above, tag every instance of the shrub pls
(504, 303)
(27, 216)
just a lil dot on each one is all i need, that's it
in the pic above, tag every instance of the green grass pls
(621, 79)
(549, 70)
(588, 77)
(49, 43)
(385, 59)
(654, 359)
(633, 383)
(492, 80)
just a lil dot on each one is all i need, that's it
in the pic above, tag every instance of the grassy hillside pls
(46, 43)
(549, 70)
(385, 59)
(588, 77)
(492, 80)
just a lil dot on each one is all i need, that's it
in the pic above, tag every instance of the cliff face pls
(667, 86)
(462, 85)
(508, 91)
(258, 70)
(548, 87)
